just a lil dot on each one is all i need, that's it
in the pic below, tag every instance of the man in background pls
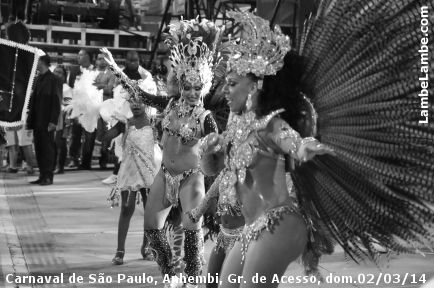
(84, 62)
(43, 117)
(104, 81)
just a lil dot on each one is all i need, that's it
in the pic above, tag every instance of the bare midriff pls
(265, 187)
(231, 221)
(178, 157)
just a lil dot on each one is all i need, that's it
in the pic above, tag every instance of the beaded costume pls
(185, 122)
(192, 46)
(173, 183)
(246, 144)
(361, 70)
(227, 238)
(223, 189)
(192, 128)
(266, 222)
(141, 160)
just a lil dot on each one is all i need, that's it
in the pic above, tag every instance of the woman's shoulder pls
(278, 131)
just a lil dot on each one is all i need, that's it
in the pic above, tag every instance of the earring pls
(249, 102)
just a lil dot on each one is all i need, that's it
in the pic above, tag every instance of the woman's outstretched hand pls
(108, 56)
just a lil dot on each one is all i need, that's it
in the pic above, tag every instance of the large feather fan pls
(117, 108)
(363, 72)
(184, 31)
(86, 101)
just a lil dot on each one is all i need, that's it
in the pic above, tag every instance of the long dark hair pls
(283, 90)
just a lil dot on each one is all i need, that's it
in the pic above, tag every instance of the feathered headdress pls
(259, 50)
(118, 108)
(192, 45)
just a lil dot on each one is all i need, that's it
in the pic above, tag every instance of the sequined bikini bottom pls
(174, 182)
(227, 237)
(268, 221)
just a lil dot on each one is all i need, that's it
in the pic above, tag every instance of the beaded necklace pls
(187, 130)
(239, 152)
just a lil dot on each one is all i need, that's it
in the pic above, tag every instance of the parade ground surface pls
(68, 230)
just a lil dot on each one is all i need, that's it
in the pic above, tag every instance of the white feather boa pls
(86, 101)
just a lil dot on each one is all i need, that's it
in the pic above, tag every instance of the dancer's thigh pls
(215, 264)
(270, 255)
(157, 207)
(191, 193)
(232, 268)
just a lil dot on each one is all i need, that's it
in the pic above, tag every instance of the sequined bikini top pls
(239, 155)
(190, 126)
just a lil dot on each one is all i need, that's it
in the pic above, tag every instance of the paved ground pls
(68, 229)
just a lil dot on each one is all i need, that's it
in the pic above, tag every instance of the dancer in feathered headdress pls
(141, 158)
(253, 148)
(374, 185)
(185, 122)
(138, 153)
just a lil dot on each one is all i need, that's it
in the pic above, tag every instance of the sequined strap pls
(263, 122)
(173, 183)
(268, 221)
(169, 106)
(226, 240)
(231, 232)
(114, 197)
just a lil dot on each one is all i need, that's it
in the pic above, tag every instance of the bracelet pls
(307, 140)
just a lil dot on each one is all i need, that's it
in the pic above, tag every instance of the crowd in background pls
(73, 146)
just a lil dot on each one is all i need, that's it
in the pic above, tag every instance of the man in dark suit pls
(43, 116)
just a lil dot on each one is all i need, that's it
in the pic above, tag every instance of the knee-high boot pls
(177, 234)
(192, 253)
(146, 251)
(163, 254)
